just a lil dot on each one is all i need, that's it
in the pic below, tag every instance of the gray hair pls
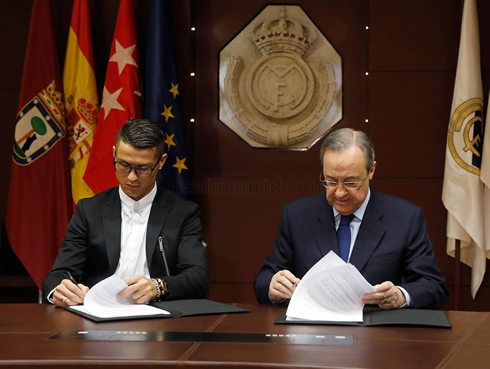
(345, 138)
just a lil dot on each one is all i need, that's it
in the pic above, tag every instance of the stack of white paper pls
(331, 291)
(101, 301)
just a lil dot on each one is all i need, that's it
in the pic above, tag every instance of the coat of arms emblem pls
(39, 126)
(280, 81)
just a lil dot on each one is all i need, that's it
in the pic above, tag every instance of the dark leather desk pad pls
(176, 308)
(399, 318)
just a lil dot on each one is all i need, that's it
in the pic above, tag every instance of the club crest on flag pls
(465, 138)
(38, 126)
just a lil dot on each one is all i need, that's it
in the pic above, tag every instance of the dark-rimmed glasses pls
(125, 168)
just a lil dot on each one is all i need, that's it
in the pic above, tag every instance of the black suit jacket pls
(91, 248)
(392, 245)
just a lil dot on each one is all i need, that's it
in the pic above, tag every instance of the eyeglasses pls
(125, 168)
(346, 185)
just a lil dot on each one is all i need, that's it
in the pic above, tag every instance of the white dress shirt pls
(134, 224)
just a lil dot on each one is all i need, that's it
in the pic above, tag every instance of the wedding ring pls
(63, 299)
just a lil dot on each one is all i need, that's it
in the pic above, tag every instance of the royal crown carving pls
(283, 34)
(280, 81)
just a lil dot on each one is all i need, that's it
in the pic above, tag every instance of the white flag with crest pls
(462, 193)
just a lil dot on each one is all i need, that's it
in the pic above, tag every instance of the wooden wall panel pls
(414, 35)
(408, 120)
(241, 218)
(410, 51)
(220, 152)
(483, 21)
(13, 43)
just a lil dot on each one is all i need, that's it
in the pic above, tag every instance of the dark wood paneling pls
(414, 35)
(15, 17)
(240, 220)
(9, 99)
(408, 119)
(410, 51)
(483, 21)
(232, 292)
(219, 152)
(482, 301)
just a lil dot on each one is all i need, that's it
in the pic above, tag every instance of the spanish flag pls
(81, 100)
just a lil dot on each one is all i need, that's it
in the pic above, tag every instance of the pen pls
(162, 250)
(73, 280)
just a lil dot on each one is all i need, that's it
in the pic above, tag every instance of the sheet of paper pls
(101, 301)
(330, 291)
(331, 260)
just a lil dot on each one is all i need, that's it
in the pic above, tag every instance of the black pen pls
(73, 280)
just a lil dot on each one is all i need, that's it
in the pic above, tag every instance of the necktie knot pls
(346, 219)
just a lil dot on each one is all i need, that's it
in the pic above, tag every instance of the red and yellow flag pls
(39, 205)
(81, 100)
(121, 99)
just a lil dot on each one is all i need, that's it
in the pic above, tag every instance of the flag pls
(81, 100)
(485, 178)
(121, 99)
(462, 193)
(39, 206)
(163, 100)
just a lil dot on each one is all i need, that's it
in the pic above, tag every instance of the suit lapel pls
(369, 235)
(158, 214)
(111, 220)
(325, 233)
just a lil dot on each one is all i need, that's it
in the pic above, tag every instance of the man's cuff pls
(275, 302)
(50, 296)
(408, 299)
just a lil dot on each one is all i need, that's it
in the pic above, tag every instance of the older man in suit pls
(383, 236)
(146, 235)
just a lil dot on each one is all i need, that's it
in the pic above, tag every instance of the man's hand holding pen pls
(69, 293)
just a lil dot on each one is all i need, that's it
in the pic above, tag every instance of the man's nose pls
(340, 191)
(132, 176)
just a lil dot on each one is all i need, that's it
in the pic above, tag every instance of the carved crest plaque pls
(280, 81)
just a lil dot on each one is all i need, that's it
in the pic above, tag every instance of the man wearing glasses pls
(384, 237)
(148, 236)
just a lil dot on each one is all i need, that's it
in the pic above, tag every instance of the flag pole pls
(457, 274)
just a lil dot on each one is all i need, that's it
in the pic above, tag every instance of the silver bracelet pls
(159, 291)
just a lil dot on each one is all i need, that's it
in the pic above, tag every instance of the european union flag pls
(162, 99)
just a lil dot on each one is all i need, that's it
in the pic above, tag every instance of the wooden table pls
(25, 329)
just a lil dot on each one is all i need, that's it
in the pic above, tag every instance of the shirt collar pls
(139, 205)
(359, 213)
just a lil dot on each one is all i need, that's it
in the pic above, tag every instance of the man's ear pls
(163, 159)
(114, 152)
(373, 169)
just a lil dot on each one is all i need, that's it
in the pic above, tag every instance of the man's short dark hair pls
(345, 138)
(142, 134)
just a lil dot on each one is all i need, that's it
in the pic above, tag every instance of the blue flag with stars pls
(163, 101)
